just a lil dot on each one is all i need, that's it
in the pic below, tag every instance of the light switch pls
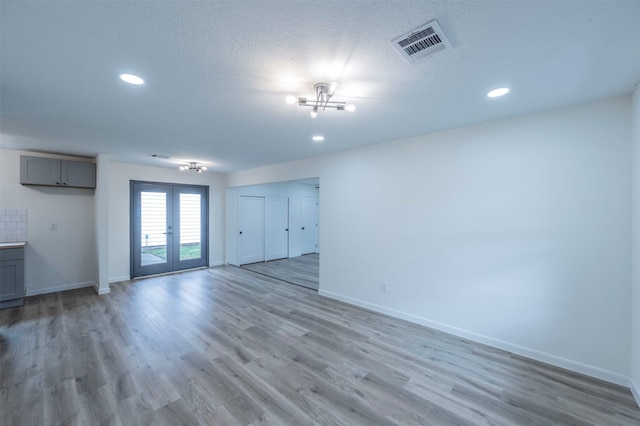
(54, 226)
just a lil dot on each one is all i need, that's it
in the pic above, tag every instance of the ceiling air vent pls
(422, 42)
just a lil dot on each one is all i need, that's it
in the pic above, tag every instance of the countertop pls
(12, 245)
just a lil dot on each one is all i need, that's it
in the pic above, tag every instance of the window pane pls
(153, 225)
(190, 227)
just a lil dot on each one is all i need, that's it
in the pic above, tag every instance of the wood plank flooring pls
(226, 346)
(301, 270)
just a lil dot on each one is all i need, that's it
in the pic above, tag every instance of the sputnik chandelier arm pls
(324, 93)
(193, 166)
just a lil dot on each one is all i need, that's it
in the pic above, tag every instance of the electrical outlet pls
(383, 287)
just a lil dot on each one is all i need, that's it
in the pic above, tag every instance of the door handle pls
(240, 232)
(303, 228)
(287, 230)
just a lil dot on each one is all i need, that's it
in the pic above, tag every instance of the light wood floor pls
(225, 346)
(301, 270)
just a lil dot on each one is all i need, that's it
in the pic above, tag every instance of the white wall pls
(120, 175)
(294, 191)
(60, 259)
(635, 300)
(514, 232)
(232, 202)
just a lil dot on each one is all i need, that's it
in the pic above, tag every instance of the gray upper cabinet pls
(78, 174)
(53, 172)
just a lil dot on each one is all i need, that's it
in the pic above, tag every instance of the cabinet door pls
(11, 279)
(39, 171)
(78, 174)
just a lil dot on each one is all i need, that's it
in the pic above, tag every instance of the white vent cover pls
(422, 42)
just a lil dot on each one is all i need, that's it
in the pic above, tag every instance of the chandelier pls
(324, 92)
(193, 166)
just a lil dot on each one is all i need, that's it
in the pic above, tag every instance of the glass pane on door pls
(153, 228)
(190, 226)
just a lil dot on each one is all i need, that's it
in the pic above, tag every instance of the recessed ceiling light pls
(498, 92)
(318, 138)
(131, 79)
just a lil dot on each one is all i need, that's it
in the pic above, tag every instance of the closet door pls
(309, 225)
(276, 218)
(251, 230)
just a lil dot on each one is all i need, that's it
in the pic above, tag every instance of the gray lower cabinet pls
(54, 172)
(11, 277)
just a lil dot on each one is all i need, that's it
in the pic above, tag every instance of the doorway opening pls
(169, 227)
(273, 229)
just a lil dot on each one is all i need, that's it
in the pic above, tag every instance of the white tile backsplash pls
(13, 225)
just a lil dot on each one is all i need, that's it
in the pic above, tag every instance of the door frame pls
(173, 263)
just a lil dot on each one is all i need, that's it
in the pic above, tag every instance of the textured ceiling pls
(217, 73)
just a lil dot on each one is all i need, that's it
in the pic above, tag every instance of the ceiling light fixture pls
(318, 138)
(193, 166)
(131, 79)
(324, 92)
(495, 93)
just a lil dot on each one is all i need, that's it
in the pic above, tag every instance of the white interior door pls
(309, 225)
(276, 217)
(251, 230)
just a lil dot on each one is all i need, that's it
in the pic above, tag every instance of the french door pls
(169, 227)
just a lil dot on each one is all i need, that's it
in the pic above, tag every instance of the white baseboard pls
(555, 360)
(635, 390)
(118, 279)
(102, 291)
(216, 263)
(35, 292)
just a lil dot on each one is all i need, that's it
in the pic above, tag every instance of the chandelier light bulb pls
(350, 107)
(291, 100)
(314, 112)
